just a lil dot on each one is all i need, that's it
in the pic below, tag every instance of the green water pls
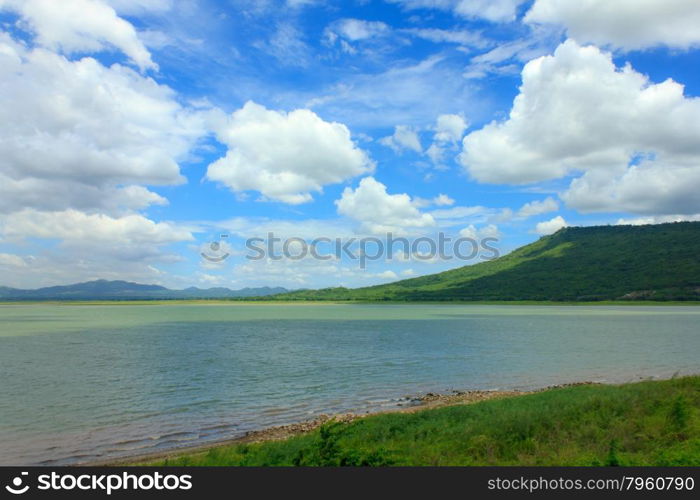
(86, 382)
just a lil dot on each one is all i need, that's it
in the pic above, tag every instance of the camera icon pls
(216, 250)
(16, 487)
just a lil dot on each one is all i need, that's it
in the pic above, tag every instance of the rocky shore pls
(407, 404)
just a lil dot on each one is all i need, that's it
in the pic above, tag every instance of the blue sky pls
(134, 133)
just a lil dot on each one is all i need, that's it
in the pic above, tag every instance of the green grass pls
(645, 423)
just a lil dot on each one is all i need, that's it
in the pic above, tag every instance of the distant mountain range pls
(125, 290)
(652, 262)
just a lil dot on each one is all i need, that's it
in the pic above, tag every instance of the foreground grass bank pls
(645, 423)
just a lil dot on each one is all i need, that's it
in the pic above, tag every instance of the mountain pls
(652, 262)
(125, 290)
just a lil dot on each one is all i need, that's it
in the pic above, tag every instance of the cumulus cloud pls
(8, 260)
(75, 134)
(661, 186)
(379, 211)
(627, 24)
(538, 207)
(404, 138)
(450, 128)
(90, 246)
(488, 231)
(80, 26)
(285, 156)
(448, 131)
(75, 227)
(550, 226)
(636, 142)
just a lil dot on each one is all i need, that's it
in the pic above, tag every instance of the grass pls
(645, 423)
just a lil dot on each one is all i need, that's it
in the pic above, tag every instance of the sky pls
(150, 140)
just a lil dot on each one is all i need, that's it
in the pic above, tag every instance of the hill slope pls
(654, 262)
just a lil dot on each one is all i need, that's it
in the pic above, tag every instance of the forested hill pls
(652, 262)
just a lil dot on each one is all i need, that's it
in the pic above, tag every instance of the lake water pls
(81, 383)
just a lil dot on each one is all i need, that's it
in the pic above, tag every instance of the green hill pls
(652, 262)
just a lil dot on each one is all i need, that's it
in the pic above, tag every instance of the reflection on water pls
(80, 383)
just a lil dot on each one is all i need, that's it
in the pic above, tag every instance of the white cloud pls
(491, 10)
(358, 29)
(628, 24)
(52, 194)
(77, 134)
(75, 227)
(379, 211)
(471, 39)
(436, 153)
(507, 57)
(650, 187)
(442, 200)
(13, 261)
(450, 128)
(80, 26)
(551, 226)
(488, 231)
(640, 221)
(287, 45)
(460, 215)
(404, 138)
(285, 156)
(387, 275)
(404, 93)
(538, 207)
(638, 143)
(140, 6)
(70, 267)
(90, 246)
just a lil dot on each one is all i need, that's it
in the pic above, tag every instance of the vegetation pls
(645, 423)
(654, 262)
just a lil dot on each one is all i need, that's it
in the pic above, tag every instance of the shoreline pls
(265, 302)
(281, 432)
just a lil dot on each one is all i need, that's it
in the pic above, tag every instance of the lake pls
(86, 382)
